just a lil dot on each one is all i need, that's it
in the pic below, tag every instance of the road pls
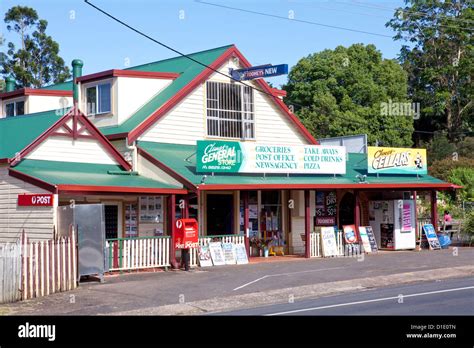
(447, 297)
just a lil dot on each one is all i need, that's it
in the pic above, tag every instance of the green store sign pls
(250, 157)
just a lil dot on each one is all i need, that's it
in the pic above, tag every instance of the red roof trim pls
(211, 187)
(117, 189)
(75, 115)
(232, 51)
(32, 180)
(167, 169)
(128, 73)
(34, 91)
(278, 92)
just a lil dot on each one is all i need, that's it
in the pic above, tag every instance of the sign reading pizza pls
(35, 200)
(239, 157)
(393, 160)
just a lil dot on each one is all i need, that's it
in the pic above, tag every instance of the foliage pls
(439, 59)
(37, 62)
(2, 85)
(469, 224)
(442, 169)
(260, 243)
(464, 177)
(341, 91)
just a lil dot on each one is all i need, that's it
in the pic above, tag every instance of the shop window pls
(98, 99)
(15, 108)
(131, 221)
(230, 111)
(111, 221)
(151, 216)
(270, 215)
(326, 208)
(253, 214)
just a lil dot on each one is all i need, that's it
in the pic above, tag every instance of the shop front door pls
(220, 208)
(346, 210)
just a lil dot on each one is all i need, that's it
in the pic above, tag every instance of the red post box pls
(186, 234)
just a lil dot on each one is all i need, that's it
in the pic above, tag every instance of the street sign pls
(258, 72)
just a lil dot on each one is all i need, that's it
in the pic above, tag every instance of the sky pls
(189, 26)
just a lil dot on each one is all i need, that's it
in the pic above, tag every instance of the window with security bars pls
(230, 111)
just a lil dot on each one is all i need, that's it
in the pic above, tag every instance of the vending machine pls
(393, 223)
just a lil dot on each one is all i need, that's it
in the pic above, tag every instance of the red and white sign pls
(35, 200)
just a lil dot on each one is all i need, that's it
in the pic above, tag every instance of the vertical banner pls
(406, 218)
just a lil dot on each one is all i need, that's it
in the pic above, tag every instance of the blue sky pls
(102, 44)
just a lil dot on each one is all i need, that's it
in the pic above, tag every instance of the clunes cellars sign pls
(393, 160)
(237, 157)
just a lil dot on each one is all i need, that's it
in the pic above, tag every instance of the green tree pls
(342, 91)
(37, 63)
(439, 59)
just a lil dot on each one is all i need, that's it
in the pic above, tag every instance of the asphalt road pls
(447, 297)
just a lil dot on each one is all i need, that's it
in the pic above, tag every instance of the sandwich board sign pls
(329, 244)
(365, 239)
(229, 254)
(204, 255)
(350, 234)
(431, 236)
(241, 254)
(217, 254)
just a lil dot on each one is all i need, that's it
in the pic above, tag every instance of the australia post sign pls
(394, 160)
(237, 157)
(35, 200)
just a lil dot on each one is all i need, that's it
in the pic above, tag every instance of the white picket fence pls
(205, 240)
(315, 246)
(30, 269)
(10, 272)
(138, 253)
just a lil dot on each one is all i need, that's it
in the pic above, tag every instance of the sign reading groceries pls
(237, 157)
(393, 160)
(35, 200)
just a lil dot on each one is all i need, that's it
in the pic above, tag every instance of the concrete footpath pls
(226, 288)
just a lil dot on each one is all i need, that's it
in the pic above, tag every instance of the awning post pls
(434, 210)
(307, 224)
(172, 225)
(245, 197)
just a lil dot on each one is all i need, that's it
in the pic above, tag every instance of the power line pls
(291, 19)
(217, 71)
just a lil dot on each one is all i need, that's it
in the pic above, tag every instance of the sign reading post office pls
(237, 157)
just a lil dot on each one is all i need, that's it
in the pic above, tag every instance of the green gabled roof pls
(187, 69)
(182, 160)
(18, 132)
(89, 174)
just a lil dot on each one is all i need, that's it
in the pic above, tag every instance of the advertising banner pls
(329, 244)
(217, 254)
(392, 160)
(204, 254)
(364, 237)
(237, 157)
(431, 236)
(350, 234)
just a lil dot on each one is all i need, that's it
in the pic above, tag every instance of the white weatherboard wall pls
(65, 149)
(149, 170)
(38, 103)
(38, 222)
(186, 122)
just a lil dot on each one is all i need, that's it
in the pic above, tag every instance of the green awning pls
(181, 159)
(72, 176)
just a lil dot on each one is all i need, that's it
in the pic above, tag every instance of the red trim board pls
(232, 51)
(117, 189)
(33, 91)
(128, 73)
(34, 181)
(83, 123)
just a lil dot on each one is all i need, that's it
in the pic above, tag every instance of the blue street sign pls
(258, 72)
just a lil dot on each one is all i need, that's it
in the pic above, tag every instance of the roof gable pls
(72, 128)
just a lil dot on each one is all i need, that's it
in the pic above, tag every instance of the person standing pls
(447, 223)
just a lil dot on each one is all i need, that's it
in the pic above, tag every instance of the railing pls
(137, 253)
(315, 245)
(205, 240)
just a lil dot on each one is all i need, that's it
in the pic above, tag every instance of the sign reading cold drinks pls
(237, 157)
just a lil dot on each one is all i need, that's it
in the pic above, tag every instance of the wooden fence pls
(30, 269)
(137, 253)
(315, 245)
(205, 240)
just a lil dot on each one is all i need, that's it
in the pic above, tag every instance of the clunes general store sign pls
(237, 157)
(393, 160)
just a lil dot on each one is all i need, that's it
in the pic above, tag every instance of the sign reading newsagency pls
(237, 157)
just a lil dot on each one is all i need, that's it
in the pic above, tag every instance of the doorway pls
(346, 210)
(220, 214)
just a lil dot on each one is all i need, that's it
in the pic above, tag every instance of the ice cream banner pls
(394, 160)
(250, 157)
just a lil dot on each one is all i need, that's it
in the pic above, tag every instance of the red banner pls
(35, 200)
